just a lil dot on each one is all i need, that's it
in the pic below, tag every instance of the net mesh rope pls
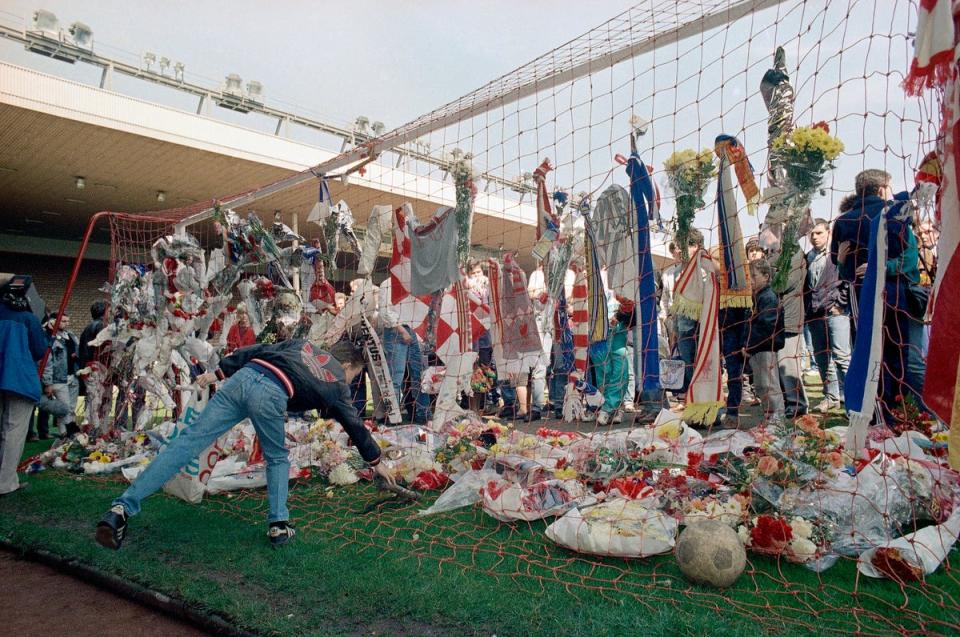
(846, 62)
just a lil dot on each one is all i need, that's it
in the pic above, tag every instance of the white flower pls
(801, 550)
(342, 474)
(744, 534)
(801, 528)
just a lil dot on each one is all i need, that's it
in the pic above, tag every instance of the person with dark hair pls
(828, 319)
(262, 383)
(59, 379)
(93, 362)
(765, 337)
(850, 240)
(22, 344)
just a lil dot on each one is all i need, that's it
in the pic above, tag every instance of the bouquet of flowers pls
(796, 539)
(483, 379)
(689, 173)
(805, 154)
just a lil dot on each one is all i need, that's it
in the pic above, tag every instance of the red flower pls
(430, 479)
(822, 126)
(770, 535)
(891, 562)
(632, 488)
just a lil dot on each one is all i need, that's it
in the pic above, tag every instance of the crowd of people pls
(812, 316)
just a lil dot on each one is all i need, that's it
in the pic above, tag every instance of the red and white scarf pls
(705, 392)
(411, 310)
(934, 48)
(580, 318)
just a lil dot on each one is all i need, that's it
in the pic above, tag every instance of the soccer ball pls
(709, 552)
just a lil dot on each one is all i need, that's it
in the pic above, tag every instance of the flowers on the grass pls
(796, 539)
(557, 438)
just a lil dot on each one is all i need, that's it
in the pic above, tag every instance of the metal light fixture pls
(161, 196)
(255, 91)
(149, 59)
(82, 35)
(178, 68)
(164, 65)
(81, 183)
(378, 128)
(361, 124)
(47, 22)
(233, 84)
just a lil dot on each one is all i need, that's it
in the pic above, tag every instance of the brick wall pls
(50, 275)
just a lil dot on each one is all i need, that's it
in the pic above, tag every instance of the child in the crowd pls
(765, 337)
(610, 364)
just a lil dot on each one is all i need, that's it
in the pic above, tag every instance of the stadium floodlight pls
(46, 22)
(81, 183)
(178, 68)
(361, 124)
(164, 65)
(233, 85)
(378, 128)
(82, 36)
(149, 59)
(255, 91)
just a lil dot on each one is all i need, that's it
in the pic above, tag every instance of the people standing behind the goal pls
(765, 337)
(401, 350)
(828, 319)
(241, 333)
(790, 356)
(94, 361)
(688, 328)
(903, 369)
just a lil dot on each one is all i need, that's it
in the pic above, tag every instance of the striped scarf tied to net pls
(735, 289)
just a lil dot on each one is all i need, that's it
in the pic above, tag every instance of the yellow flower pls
(567, 473)
(669, 430)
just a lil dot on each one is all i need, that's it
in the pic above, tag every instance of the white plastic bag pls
(618, 527)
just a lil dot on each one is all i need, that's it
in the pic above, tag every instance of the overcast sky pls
(393, 61)
(390, 61)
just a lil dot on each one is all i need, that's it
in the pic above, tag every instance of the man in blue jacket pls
(262, 383)
(850, 249)
(22, 344)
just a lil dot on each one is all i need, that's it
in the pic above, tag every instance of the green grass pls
(461, 573)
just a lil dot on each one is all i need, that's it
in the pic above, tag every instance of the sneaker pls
(629, 407)
(280, 533)
(825, 405)
(617, 417)
(112, 528)
(730, 422)
(535, 415)
(603, 419)
(589, 417)
(508, 412)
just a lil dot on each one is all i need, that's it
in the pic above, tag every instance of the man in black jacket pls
(765, 337)
(263, 382)
(827, 316)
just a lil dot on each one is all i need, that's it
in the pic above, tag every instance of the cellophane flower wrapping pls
(618, 527)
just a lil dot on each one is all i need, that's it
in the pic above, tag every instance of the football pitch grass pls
(362, 566)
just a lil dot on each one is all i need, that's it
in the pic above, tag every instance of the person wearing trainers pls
(262, 383)
(828, 318)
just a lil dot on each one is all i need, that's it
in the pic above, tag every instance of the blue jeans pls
(400, 358)
(246, 394)
(687, 333)
(733, 335)
(831, 349)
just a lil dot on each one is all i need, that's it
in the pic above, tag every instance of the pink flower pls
(768, 466)
(835, 458)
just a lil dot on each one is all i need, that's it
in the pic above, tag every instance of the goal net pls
(634, 238)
